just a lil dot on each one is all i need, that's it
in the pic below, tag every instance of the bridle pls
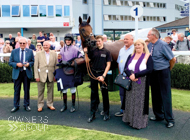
(87, 39)
(88, 43)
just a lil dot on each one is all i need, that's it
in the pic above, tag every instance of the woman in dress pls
(34, 40)
(136, 101)
(7, 49)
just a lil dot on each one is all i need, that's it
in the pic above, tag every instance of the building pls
(181, 26)
(61, 16)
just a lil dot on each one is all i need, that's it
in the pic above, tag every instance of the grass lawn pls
(180, 98)
(28, 131)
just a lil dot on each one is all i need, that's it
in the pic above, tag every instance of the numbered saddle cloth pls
(63, 81)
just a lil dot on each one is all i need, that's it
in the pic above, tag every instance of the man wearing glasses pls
(22, 60)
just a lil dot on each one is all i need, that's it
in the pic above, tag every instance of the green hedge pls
(5, 73)
(180, 75)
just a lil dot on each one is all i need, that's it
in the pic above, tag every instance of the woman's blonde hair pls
(145, 48)
(41, 47)
(34, 35)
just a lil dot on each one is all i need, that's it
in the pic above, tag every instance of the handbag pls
(123, 82)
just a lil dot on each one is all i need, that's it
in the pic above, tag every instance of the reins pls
(89, 70)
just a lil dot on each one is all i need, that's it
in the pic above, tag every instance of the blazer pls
(15, 58)
(41, 66)
(32, 47)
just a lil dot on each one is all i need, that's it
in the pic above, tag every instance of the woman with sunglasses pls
(7, 49)
(39, 47)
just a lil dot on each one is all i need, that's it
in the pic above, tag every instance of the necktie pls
(22, 57)
(152, 50)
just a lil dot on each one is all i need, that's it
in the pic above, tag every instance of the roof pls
(180, 22)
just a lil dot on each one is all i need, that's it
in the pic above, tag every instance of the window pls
(151, 4)
(26, 11)
(114, 17)
(144, 18)
(164, 5)
(117, 17)
(15, 11)
(130, 3)
(66, 10)
(106, 17)
(150, 18)
(42, 10)
(144, 4)
(85, 17)
(109, 17)
(118, 2)
(50, 11)
(163, 30)
(5, 10)
(141, 4)
(106, 2)
(141, 18)
(114, 2)
(121, 17)
(34, 10)
(85, 2)
(0, 10)
(58, 10)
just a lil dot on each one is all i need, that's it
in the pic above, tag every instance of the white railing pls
(176, 53)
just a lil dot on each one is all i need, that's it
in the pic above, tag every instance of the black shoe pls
(102, 113)
(170, 124)
(119, 114)
(156, 119)
(106, 117)
(14, 109)
(72, 109)
(27, 108)
(91, 118)
(63, 108)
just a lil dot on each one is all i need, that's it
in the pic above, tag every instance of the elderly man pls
(122, 58)
(22, 60)
(163, 60)
(182, 45)
(31, 46)
(12, 41)
(105, 38)
(168, 40)
(44, 66)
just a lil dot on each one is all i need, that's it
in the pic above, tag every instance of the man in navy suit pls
(22, 60)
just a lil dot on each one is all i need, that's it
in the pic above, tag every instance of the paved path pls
(154, 131)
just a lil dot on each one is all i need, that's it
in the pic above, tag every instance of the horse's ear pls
(88, 21)
(80, 20)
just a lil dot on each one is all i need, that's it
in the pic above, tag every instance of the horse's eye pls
(83, 29)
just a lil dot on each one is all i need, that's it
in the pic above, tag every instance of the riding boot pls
(73, 103)
(64, 102)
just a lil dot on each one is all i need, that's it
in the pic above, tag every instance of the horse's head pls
(86, 34)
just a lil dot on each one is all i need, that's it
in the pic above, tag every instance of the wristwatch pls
(103, 76)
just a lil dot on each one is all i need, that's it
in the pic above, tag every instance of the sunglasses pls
(21, 43)
(38, 45)
(7, 43)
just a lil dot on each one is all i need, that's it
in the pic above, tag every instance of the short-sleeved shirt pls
(41, 38)
(99, 58)
(182, 45)
(161, 54)
(123, 55)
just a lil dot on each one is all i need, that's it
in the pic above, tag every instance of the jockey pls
(69, 52)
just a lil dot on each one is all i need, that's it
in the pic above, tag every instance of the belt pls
(97, 71)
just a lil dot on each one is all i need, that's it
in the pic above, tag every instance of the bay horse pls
(89, 41)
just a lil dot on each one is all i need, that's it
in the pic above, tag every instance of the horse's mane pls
(84, 24)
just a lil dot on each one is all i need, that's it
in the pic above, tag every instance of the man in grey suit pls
(22, 60)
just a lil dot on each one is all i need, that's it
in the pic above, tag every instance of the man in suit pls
(22, 60)
(44, 66)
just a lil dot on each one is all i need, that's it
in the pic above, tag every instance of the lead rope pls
(89, 70)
